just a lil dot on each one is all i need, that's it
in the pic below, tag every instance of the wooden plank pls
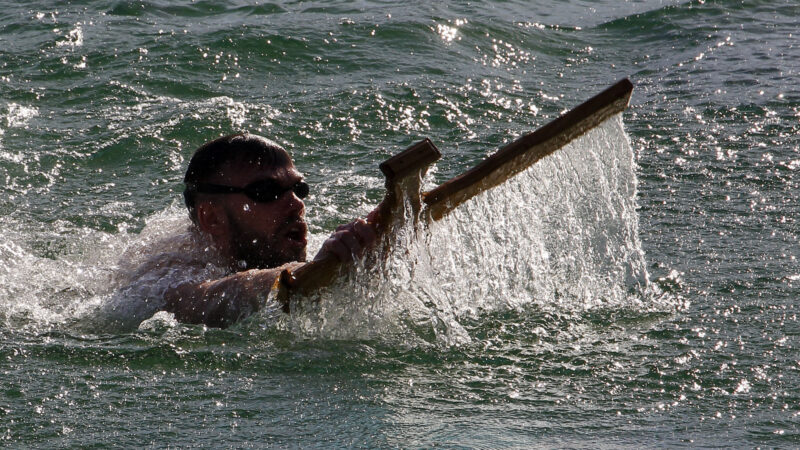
(525, 151)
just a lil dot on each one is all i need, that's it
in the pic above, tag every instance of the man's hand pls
(349, 241)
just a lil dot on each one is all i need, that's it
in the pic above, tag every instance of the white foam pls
(75, 287)
(18, 116)
(74, 38)
(39, 292)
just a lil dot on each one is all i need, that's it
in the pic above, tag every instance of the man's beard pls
(252, 251)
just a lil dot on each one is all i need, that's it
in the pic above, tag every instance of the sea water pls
(637, 288)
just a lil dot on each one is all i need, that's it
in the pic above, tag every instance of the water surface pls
(682, 333)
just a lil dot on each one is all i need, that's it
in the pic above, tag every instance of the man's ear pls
(211, 218)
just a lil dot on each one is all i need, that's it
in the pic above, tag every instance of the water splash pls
(563, 233)
(561, 236)
(39, 291)
(79, 279)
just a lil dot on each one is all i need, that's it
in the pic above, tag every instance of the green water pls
(101, 104)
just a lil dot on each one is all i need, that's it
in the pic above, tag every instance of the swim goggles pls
(263, 191)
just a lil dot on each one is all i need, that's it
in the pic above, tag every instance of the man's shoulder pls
(183, 254)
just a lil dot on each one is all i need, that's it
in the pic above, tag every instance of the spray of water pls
(563, 235)
(89, 286)
(39, 292)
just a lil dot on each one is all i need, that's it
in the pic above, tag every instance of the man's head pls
(244, 191)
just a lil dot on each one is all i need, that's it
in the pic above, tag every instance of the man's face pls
(267, 234)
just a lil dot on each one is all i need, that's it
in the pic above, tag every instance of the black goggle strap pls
(208, 188)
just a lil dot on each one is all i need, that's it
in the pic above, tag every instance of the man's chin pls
(277, 261)
(299, 256)
(243, 264)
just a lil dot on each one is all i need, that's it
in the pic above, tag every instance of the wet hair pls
(211, 159)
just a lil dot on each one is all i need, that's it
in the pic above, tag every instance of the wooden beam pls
(525, 151)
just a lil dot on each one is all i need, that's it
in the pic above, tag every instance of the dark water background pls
(101, 104)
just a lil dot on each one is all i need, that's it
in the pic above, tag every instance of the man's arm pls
(222, 302)
(349, 241)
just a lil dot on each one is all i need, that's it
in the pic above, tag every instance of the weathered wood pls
(525, 151)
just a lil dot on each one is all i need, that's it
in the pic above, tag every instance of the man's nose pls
(294, 202)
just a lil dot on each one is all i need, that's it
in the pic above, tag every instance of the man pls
(245, 196)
